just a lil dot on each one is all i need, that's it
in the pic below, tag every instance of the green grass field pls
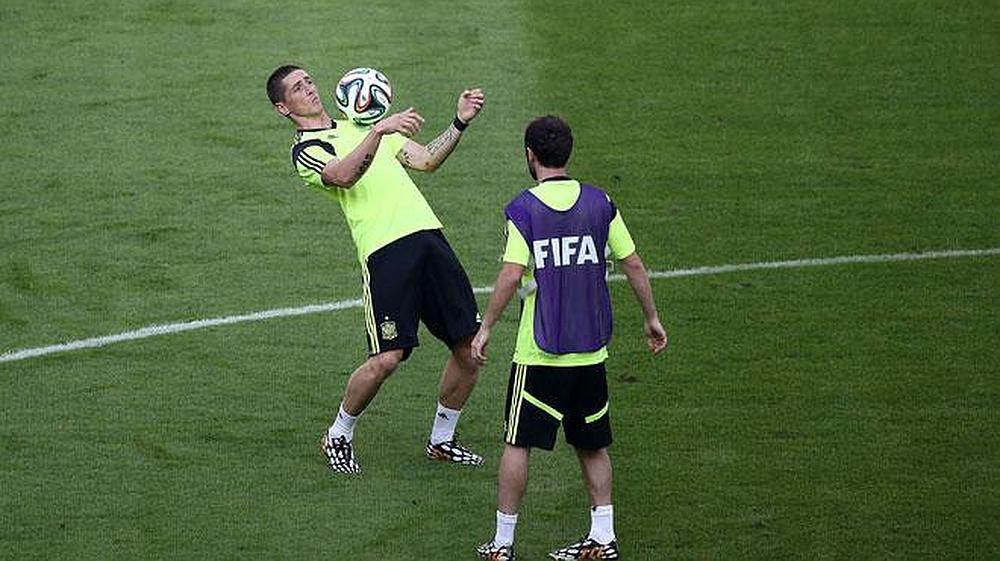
(826, 413)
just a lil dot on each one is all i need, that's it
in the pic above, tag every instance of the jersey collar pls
(557, 178)
(333, 125)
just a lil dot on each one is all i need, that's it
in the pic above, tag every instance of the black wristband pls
(459, 124)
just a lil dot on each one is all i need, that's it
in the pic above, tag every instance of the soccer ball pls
(363, 95)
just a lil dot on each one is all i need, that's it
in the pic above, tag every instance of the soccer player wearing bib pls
(410, 273)
(559, 234)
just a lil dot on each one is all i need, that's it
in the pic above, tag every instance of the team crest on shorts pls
(388, 328)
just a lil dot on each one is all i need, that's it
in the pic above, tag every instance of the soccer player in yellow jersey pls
(560, 235)
(410, 273)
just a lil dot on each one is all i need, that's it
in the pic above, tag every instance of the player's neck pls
(543, 173)
(319, 121)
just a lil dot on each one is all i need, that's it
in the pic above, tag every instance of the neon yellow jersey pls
(559, 195)
(384, 205)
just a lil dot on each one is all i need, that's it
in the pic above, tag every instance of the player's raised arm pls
(346, 171)
(430, 157)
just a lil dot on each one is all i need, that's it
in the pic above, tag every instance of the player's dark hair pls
(551, 139)
(275, 89)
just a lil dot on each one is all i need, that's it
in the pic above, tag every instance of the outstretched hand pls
(406, 123)
(469, 104)
(656, 336)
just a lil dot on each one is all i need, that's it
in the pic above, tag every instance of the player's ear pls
(282, 109)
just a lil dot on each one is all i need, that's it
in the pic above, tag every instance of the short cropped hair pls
(275, 87)
(551, 139)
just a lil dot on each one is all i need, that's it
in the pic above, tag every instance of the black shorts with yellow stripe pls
(540, 398)
(416, 278)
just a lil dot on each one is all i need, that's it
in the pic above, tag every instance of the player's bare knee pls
(384, 364)
(462, 354)
(592, 453)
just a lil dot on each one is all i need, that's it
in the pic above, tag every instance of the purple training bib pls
(572, 304)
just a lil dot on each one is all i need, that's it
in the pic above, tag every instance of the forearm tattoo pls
(363, 167)
(440, 147)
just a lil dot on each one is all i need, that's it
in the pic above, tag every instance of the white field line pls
(166, 329)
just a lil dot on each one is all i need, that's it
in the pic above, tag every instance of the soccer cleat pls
(339, 454)
(494, 552)
(453, 452)
(586, 549)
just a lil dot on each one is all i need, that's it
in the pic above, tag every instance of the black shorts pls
(540, 398)
(416, 278)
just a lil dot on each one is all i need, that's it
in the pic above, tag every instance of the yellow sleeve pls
(310, 159)
(517, 248)
(619, 238)
(394, 142)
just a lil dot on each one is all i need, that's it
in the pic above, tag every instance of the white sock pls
(343, 425)
(505, 529)
(445, 421)
(602, 524)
